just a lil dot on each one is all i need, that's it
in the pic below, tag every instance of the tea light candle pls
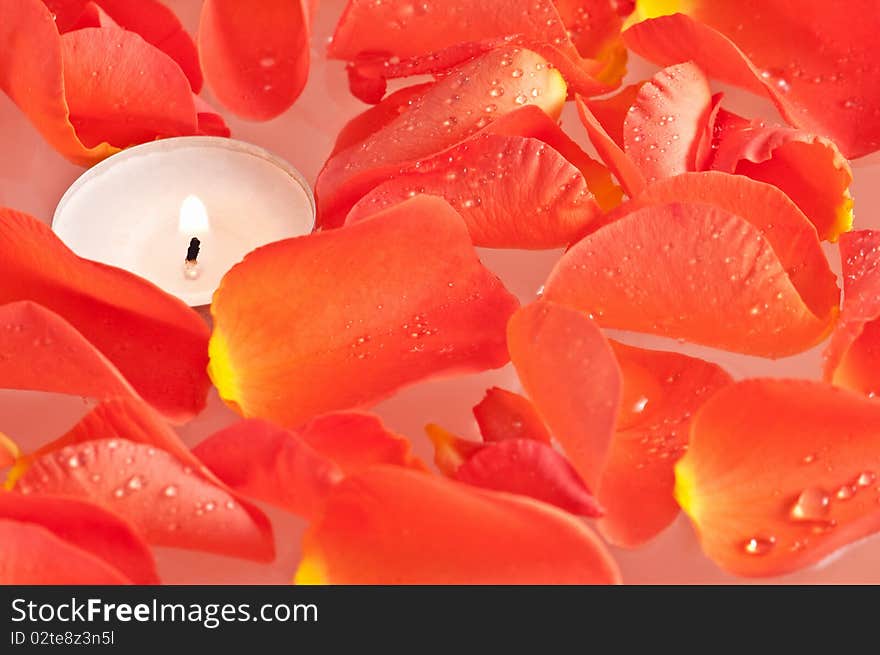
(181, 212)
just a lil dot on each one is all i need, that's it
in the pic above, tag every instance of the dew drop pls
(846, 492)
(811, 505)
(759, 545)
(866, 479)
(170, 491)
(516, 72)
(640, 404)
(521, 99)
(135, 482)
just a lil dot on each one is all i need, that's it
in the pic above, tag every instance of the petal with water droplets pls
(780, 473)
(151, 338)
(667, 121)
(815, 62)
(383, 303)
(568, 370)
(512, 192)
(661, 390)
(852, 358)
(296, 469)
(808, 168)
(84, 526)
(734, 264)
(399, 39)
(503, 415)
(155, 22)
(376, 530)
(256, 57)
(441, 117)
(80, 96)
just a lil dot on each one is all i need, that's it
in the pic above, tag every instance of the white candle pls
(140, 210)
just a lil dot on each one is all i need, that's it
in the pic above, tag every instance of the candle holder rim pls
(224, 143)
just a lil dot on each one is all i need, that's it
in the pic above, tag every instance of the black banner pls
(333, 619)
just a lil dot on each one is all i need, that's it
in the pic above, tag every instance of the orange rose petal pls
(450, 451)
(611, 152)
(211, 123)
(155, 341)
(568, 370)
(32, 555)
(667, 121)
(734, 265)
(810, 169)
(594, 28)
(155, 22)
(255, 56)
(432, 40)
(168, 502)
(87, 527)
(390, 525)
(815, 62)
(512, 192)
(611, 111)
(443, 116)
(143, 472)
(852, 358)
(661, 390)
(780, 473)
(529, 468)
(271, 464)
(296, 469)
(502, 415)
(415, 304)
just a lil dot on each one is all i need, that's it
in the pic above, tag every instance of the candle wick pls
(192, 253)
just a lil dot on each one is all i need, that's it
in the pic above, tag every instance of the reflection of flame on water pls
(193, 216)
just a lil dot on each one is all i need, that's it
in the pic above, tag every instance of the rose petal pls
(568, 370)
(31, 555)
(745, 273)
(780, 473)
(156, 342)
(450, 451)
(376, 530)
(296, 469)
(815, 62)
(155, 22)
(122, 457)
(503, 415)
(529, 468)
(809, 169)
(396, 40)
(667, 121)
(852, 359)
(512, 192)
(661, 390)
(447, 113)
(84, 526)
(381, 304)
(255, 56)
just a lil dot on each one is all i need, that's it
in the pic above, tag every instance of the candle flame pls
(193, 216)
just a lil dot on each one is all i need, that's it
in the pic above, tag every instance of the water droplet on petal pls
(759, 545)
(170, 491)
(811, 505)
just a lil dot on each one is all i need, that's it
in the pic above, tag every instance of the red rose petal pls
(780, 473)
(512, 192)
(271, 464)
(376, 530)
(568, 370)
(810, 170)
(396, 39)
(733, 264)
(31, 555)
(443, 116)
(153, 339)
(413, 304)
(450, 451)
(667, 121)
(661, 390)
(504, 415)
(296, 469)
(84, 526)
(79, 97)
(255, 56)
(814, 61)
(852, 359)
(155, 22)
(169, 503)
(529, 468)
